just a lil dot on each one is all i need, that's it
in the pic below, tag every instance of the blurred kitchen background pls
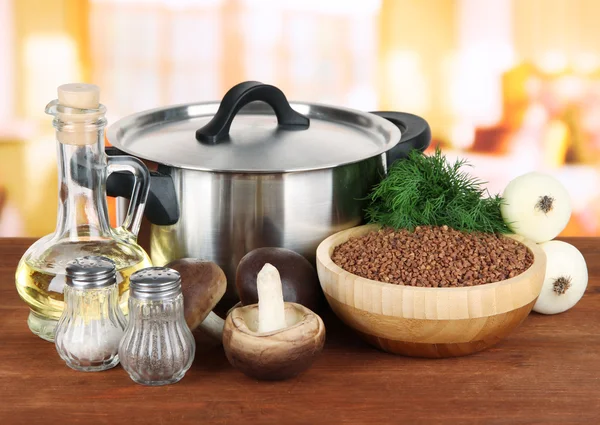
(513, 85)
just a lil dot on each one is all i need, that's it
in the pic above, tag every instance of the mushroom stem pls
(271, 310)
(212, 326)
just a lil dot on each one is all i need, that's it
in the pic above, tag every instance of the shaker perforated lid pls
(91, 272)
(155, 283)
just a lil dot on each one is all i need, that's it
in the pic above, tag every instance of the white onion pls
(536, 206)
(566, 278)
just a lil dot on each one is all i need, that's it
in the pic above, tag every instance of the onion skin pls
(523, 212)
(564, 261)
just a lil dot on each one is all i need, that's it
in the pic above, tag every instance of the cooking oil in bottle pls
(40, 281)
(82, 222)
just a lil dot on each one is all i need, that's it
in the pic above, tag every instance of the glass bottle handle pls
(141, 187)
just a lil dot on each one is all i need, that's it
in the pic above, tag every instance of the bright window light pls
(175, 4)
(408, 88)
(50, 60)
(336, 7)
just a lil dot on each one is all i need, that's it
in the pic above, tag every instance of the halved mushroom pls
(272, 340)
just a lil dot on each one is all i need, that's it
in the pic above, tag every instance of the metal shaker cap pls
(91, 272)
(155, 283)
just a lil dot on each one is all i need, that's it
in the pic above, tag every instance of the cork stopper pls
(79, 96)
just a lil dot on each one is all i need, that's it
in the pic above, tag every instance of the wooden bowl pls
(428, 322)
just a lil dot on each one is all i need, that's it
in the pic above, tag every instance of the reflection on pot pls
(228, 215)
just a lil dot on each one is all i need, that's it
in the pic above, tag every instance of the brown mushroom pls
(272, 340)
(299, 278)
(203, 284)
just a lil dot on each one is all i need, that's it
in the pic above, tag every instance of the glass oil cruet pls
(82, 227)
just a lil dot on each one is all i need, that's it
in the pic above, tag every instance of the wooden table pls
(547, 372)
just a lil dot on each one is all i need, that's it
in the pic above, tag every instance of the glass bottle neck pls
(82, 207)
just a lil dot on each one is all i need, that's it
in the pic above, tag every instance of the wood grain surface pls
(546, 372)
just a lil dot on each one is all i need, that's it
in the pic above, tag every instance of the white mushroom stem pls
(271, 310)
(213, 326)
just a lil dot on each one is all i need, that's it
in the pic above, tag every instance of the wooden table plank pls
(546, 372)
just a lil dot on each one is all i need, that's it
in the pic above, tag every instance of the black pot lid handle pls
(217, 129)
(261, 139)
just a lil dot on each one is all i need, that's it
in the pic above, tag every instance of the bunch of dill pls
(430, 191)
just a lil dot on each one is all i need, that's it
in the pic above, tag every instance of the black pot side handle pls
(162, 207)
(217, 129)
(415, 131)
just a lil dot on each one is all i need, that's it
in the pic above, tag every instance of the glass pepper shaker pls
(158, 348)
(92, 324)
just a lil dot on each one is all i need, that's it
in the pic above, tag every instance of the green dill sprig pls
(429, 191)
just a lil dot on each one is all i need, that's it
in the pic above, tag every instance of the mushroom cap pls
(299, 279)
(203, 284)
(273, 355)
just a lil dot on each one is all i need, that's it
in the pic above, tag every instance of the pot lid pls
(255, 130)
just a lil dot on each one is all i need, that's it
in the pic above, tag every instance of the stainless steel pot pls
(279, 174)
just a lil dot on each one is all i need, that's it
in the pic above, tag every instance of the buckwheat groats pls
(433, 257)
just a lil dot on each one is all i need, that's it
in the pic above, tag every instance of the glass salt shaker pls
(92, 324)
(158, 347)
